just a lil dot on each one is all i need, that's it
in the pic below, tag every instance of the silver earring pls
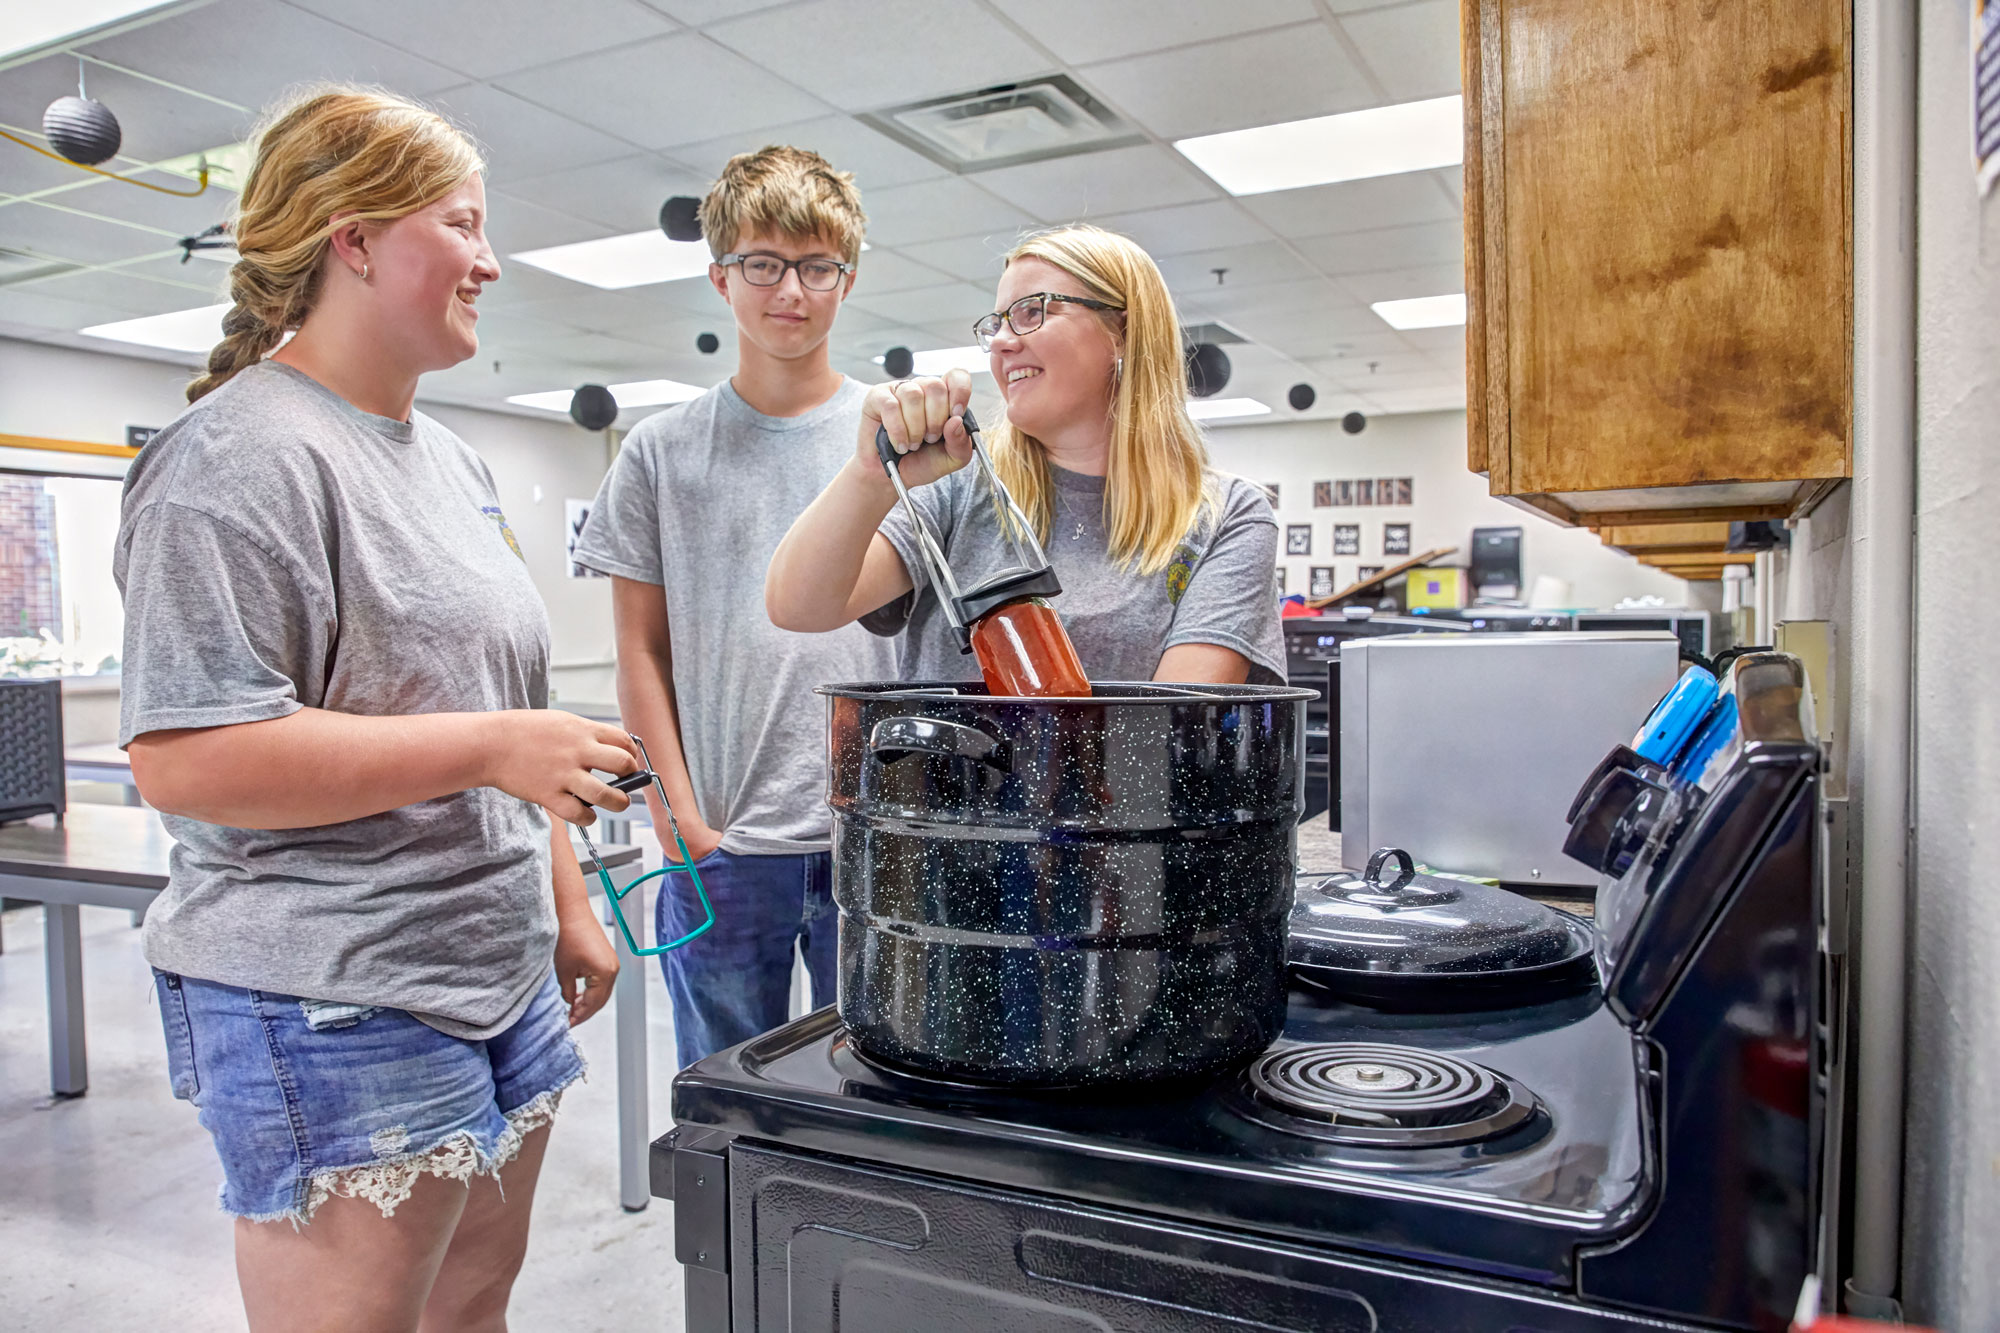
(364, 272)
(1118, 371)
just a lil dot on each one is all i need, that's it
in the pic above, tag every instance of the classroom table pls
(101, 763)
(116, 856)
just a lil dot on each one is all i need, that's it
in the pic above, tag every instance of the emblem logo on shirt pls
(493, 512)
(1180, 572)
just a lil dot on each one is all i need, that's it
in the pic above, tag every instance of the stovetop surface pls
(1515, 1204)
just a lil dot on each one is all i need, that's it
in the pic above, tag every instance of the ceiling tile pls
(35, 310)
(1442, 398)
(951, 305)
(157, 122)
(876, 160)
(1411, 49)
(886, 271)
(624, 193)
(1261, 79)
(895, 51)
(1363, 205)
(251, 51)
(1397, 284)
(503, 35)
(1108, 29)
(1088, 186)
(522, 140)
(679, 89)
(145, 209)
(1188, 227)
(1419, 243)
(114, 289)
(698, 12)
(976, 259)
(1243, 265)
(932, 210)
(513, 224)
(62, 234)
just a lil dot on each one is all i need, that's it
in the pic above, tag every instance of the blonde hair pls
(363, 153)
(791, 190)
(1158, 485)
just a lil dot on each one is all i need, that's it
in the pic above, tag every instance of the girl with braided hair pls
(375, 935)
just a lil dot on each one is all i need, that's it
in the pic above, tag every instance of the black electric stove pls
(1642, 1153)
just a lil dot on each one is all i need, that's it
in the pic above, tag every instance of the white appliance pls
(1467, 749)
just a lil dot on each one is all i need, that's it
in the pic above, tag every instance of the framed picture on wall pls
(1385, 490)
(1322, 495)
(1347, 539)
(1298, 539)
(1368, 571)
(1271, 493)
(1395, 538)
(1364, 491)
(1406, 491)
(1322, 581)
(1279, 581)
(1343, 494)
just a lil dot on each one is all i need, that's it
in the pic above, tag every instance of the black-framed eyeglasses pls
(1027, 314)
(762, 270)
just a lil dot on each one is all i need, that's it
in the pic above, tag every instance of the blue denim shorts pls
(307, 1101)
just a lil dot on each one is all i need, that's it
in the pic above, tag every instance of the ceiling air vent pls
(1006, 125)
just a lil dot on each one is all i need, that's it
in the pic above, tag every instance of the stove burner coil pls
(1390, 1096)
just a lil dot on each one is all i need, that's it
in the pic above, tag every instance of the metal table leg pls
(629, 998)
(69, 1074)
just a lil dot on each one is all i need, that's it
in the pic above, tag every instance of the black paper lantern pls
(1354, 423)
(1208, 370)
(706, 343)
(680, 218)
(1301, 397)
(82, 129)
(592, 407)
(898, 362)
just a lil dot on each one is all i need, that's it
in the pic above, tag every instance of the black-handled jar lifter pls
(1032, 576)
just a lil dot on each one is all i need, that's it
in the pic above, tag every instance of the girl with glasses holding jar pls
(1165, 563)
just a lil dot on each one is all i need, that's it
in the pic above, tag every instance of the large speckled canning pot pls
(1063, 892)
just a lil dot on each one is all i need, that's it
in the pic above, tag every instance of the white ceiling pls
(592, 112)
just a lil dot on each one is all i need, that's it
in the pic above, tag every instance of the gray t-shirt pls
(1218, 590)
(697, 501)
(281, 549)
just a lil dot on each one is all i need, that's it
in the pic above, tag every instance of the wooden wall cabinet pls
(1658, 283)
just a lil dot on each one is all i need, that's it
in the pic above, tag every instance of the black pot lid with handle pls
(1392, 937)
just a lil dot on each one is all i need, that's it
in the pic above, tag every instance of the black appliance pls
(31, 749)
(1641, 1154)
(1690, 627)
(1495, 562)
(1312, 662)
(1058, 891)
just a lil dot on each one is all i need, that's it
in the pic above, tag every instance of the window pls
(60, 613)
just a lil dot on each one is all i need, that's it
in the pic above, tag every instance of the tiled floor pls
(107, 1202)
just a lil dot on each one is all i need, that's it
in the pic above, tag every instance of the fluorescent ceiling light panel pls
(642, 258)
(1212, 409)
(29, 25)
(195, 330)
(639, 393)
(1381, 141)
(1423, 312)
(940, 359)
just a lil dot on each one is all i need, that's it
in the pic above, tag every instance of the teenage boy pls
(685, 525)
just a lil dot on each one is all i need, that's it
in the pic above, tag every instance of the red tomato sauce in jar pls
(1023, 650)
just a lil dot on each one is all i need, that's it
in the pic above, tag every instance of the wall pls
(1450, 501)
(62, 393)
(1952, 1190)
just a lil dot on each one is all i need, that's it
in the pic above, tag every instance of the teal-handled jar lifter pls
(615, 896)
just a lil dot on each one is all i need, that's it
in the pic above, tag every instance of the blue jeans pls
(308, 1100)
(736, 981)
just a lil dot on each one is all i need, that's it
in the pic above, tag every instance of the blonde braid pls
(361, 153)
